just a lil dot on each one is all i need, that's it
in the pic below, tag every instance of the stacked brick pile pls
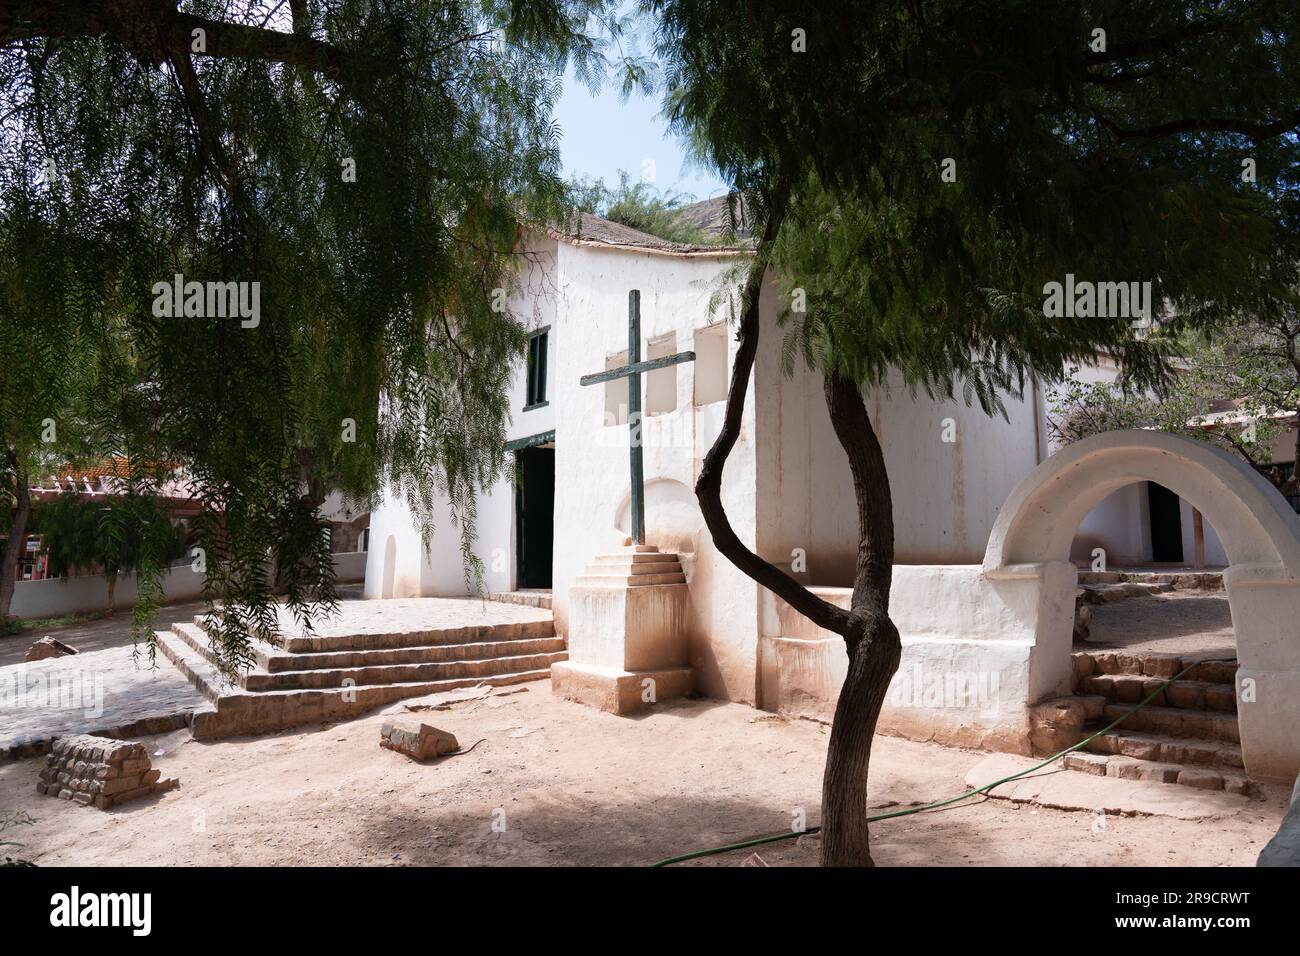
(99, 771)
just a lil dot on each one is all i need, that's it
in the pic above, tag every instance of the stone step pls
(197, 638)
(1180, 580)
(637, 557)
(274, 661)
(1088, 663)
(526, 597)
(256, 681)
(1163, 748)
(437, 637)
(281, 671)
(1209, 725)
(627, 568)
(1130, 768)
(238, 711)
(1184, 694)
(195, 665)
(433, 654)
(1122, 591)
(629, 580)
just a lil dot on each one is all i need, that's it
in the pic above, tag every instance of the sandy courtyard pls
(567, 785)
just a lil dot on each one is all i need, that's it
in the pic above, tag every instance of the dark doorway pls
(534, 516)
(1166, 525)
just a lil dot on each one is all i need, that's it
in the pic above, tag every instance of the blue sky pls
(602, 136)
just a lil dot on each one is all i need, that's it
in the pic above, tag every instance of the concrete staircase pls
(332, 676)
(1188, 734)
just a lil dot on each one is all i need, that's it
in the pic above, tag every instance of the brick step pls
(1209, 725)
(437, 637)
(274, 661)
(238, 711)
(1183, 694)
(1090, 663)
(280, 671)
(541, 599)
(1130, 768)
(197, 638)
(1167, 749)
(257, 682)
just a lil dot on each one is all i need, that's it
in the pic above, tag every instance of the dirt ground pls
(555, 783)
(1179, 623)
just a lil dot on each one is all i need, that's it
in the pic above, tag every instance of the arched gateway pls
(1027, 561)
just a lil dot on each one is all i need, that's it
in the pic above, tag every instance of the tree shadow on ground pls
(631, 833)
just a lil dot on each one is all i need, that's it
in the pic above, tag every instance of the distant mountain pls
(712, 216)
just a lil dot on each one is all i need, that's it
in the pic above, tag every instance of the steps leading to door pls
(1188, 734)
(332, 675)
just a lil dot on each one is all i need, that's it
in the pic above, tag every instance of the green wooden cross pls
(632, 372)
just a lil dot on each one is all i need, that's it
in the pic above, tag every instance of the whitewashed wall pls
(55, 597)
(946, 494)
(592, 457)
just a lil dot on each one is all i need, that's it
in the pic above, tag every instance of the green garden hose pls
(941, 803)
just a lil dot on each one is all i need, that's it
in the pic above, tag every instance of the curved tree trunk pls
(873, 643)
(873, 659)
(870, 636)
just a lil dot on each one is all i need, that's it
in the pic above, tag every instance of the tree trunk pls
(112, 591)
(873, 643)
(872, 639)
(16, 543)
(874, 654)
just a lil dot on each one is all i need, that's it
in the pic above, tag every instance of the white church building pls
(984, 519)
(787, 484)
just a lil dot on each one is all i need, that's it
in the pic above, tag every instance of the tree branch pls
(708, 487)
(852, 424)
(1209, 124)
(132, 24)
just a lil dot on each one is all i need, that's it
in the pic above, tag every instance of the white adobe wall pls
(591, 510)
(946, 494)
(55, 597)
(971, 660)
(440, 572)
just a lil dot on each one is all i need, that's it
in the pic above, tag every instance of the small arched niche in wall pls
(672, 516)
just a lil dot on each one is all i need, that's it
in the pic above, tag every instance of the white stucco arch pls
(1027, 561)
(1038, 521)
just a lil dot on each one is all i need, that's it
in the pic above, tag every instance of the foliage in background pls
(640, 206)
(368, 166)
(1238, 388)
(109, 535)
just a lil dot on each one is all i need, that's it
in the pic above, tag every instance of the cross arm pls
(637, 368)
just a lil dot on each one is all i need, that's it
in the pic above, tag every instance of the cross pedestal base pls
(627, 632)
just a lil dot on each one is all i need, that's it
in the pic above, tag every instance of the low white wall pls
(56, 597)
(971, 656)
